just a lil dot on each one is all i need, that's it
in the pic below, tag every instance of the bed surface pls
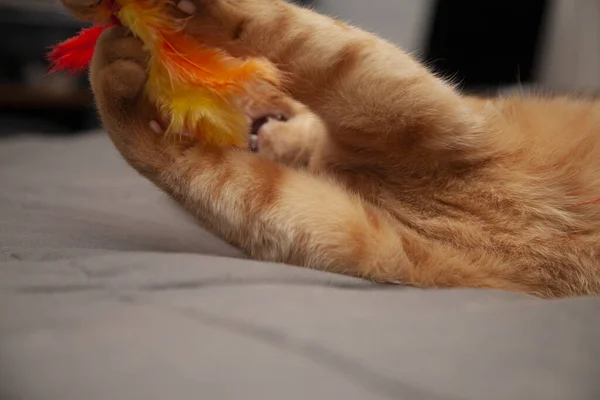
(108, 291)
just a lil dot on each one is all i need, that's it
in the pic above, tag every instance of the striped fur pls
(383, 171)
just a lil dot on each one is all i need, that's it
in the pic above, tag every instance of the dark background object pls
(30, 99)
(486, 44)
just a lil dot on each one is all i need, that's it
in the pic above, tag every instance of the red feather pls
(75, 54)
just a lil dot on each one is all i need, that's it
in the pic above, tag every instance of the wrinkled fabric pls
(109, 291)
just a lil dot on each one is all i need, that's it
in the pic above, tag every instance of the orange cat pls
(380, 170)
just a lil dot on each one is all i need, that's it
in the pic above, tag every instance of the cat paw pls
(289, 141)
(118, 67)
(118, 76)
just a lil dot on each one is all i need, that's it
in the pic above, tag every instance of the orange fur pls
(392, 174)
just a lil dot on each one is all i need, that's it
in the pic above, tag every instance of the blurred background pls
(486, 46)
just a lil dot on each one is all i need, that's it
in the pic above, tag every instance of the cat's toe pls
(282, 141)
(187, 6)
(257, 126)
(118, 43)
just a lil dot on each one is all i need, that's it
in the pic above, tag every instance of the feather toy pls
(192, 85)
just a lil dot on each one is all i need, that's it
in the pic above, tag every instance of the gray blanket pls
(109, 292)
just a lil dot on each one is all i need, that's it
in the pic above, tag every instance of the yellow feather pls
(205, 111)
